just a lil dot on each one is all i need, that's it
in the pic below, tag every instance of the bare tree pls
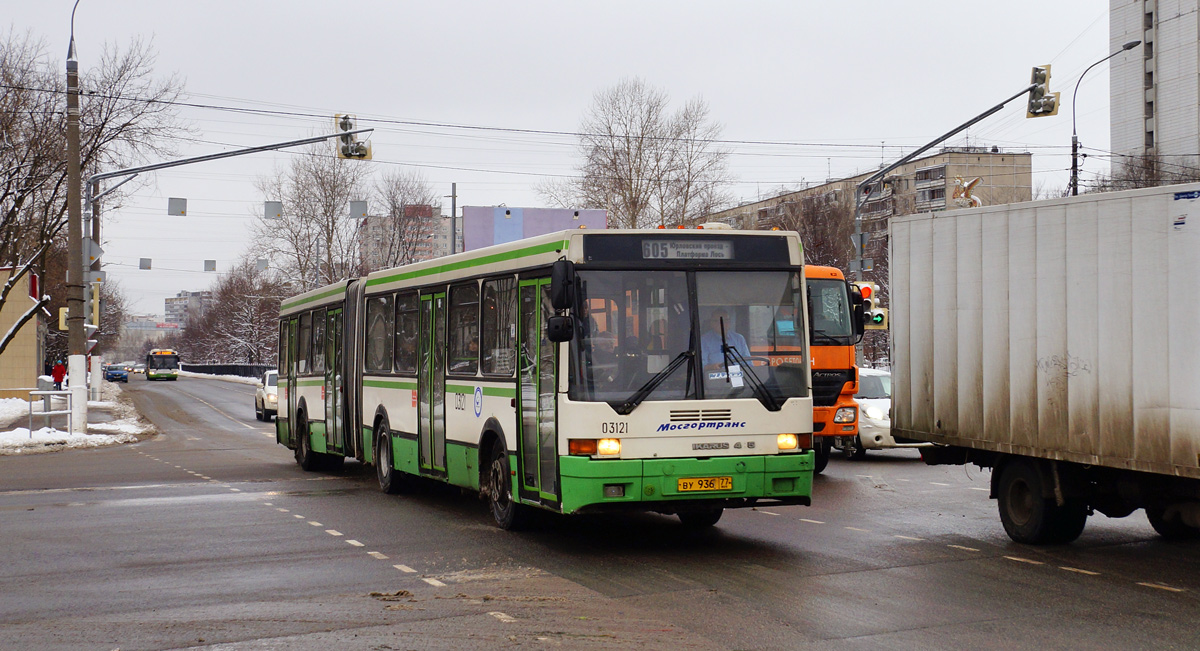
(408, 208)
(643, 164)
(1148, 170)
(126, 115)
(315, 242)
(241, 324)
(825, 226)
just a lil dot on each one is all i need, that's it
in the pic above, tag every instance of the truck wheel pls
(821, 455)
(307, 459)
(1069, 522)
(1172, 528)
(700, 519)
(1027, 516)
(509, 515)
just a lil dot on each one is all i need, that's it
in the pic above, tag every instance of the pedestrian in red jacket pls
(58, 374)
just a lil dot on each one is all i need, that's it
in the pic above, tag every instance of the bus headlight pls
(845, 415)
(608, 447)
(788, 441)
(589, 447)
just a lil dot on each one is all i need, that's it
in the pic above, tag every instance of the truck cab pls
(834, 328)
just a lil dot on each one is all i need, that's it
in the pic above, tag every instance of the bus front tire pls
(509, 515)
(390, 481)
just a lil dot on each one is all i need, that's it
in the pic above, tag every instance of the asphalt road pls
(209, 535)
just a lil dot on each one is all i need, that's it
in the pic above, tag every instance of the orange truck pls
(835, 324)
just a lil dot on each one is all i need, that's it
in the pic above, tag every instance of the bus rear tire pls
(509, 515)
(390, 481)
(305, 456)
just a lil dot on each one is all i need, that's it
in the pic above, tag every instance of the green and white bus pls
(162, 364)
(579, 371)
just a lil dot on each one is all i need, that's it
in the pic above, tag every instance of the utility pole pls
(76, 341)
(453, 216)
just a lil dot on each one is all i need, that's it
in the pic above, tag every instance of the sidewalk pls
(111, 420)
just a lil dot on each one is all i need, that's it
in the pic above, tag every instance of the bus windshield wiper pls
(658, 378)
(769, 400)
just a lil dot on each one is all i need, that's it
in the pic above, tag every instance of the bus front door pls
(431, 385)
(292, 326)
(537, 421)
(335, 436)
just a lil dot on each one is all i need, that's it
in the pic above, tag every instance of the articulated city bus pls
(579, 371)
(162, 364)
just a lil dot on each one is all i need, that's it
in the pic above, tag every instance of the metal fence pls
(243, 370)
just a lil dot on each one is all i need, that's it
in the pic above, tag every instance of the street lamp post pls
(1074, 137)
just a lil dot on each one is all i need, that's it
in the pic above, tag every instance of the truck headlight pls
(845, 415)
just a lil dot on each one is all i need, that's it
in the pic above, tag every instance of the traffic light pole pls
(77, 355)
(860, 199)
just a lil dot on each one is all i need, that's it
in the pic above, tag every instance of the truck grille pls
(827, 386)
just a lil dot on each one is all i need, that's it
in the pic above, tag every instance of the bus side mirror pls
(562, 285)
(560, 328)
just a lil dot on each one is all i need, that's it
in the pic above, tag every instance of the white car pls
(874, 400)
(266, 396)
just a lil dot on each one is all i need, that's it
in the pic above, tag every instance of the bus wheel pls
(390, 481)
(307, 459)
(1172, 528)
(821, 452)
(508, 514)
(700, 519)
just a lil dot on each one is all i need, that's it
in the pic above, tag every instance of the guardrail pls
(49, 395)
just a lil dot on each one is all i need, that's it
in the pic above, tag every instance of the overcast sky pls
(837, 87)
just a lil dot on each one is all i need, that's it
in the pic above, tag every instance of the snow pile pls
(125, 428)
(227, 378)
(19, 441)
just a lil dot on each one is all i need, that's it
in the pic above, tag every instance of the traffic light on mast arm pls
(1041, 101)
(348, 145)
(875, 317)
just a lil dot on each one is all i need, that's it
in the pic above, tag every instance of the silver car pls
(266, 396)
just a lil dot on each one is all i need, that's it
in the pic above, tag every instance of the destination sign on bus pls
(687, 249)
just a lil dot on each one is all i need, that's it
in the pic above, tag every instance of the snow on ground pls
(228, 378)
(124, 428)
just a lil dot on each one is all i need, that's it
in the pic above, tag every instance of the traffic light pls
(875, 316)
(62, 318)
(1041, 101)
(348, 145)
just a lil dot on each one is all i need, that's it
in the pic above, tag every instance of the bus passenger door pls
(335, 436)
(431, 385)
(537, 421)
(292, 326)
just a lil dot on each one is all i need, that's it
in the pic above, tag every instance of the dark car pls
(116, 373)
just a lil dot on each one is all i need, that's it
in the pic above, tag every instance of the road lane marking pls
(268, 504)
(768, 512)
(1079, 571)
(214, 408)
(333, 532)
(507, 619)
(857, 529)
(1024, 560)
(1159, 586)
(205, 477)
(812, 521)
(405, 568)
(938, 483)
(903, 479)
(281, 510)
(908, 538)
(382, 557)
(434, 582)
(965, 549)
(300, 517)
(976, 488)
(235, 490)
(354, 542)
(315, 524)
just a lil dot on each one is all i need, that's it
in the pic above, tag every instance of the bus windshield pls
(162, 361)
(639, 327)
(830, 322)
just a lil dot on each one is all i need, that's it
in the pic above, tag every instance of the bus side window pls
(464, 329)
(379, 334)
(406, 333)
(305, 341)
(499, 325)
(317, 358)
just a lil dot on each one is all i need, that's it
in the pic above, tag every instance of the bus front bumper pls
(667, 485)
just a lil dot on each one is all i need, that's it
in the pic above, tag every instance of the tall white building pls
(184, 305)
(1155, 98)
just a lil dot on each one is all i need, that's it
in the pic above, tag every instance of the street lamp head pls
(1130, 45)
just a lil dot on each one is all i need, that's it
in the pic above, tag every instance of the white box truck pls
(1058, 343)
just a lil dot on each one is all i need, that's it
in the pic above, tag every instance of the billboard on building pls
(487, 225)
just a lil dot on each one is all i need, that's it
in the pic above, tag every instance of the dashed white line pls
(507, 619)
(351, 541)
(976, 488)
(332, 532)
(382, 557)
(205, 477)
(434, 582)
(268, 504)
(1079, 571)
(767, 512)
(908, 538)
(297, 516)
(315, 524)
(857, 529)
(1024, 560)
(965, 549)
(235, 490)
(405, 568)
(938, 483)
(812, 521)
(1159, 586)
(281, 510)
